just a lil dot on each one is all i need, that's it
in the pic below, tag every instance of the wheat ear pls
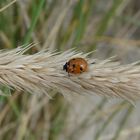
(40, 72)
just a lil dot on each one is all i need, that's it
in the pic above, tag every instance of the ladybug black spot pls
(81, 68)
(74, 65)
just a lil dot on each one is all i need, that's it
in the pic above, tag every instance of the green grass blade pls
(34, 20)
(123, 122)
(106, 20)
(83, 17)
(110, 118)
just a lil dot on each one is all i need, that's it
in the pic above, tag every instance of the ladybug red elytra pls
(76, 66)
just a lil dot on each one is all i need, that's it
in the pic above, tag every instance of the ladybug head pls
(65, 67)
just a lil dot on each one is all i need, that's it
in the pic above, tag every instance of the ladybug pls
(76, 66)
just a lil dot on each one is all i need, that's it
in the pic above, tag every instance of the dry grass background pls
(110, 27)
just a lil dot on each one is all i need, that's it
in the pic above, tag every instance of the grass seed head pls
(40, 72)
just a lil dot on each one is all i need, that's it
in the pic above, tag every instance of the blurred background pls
(111, 27)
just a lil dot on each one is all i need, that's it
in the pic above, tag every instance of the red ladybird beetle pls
(76, 66)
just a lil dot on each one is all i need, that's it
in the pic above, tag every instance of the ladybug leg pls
(93, 63)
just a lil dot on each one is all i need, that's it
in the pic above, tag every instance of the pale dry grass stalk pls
(8, 5)
(43, 71)
(126, 133)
